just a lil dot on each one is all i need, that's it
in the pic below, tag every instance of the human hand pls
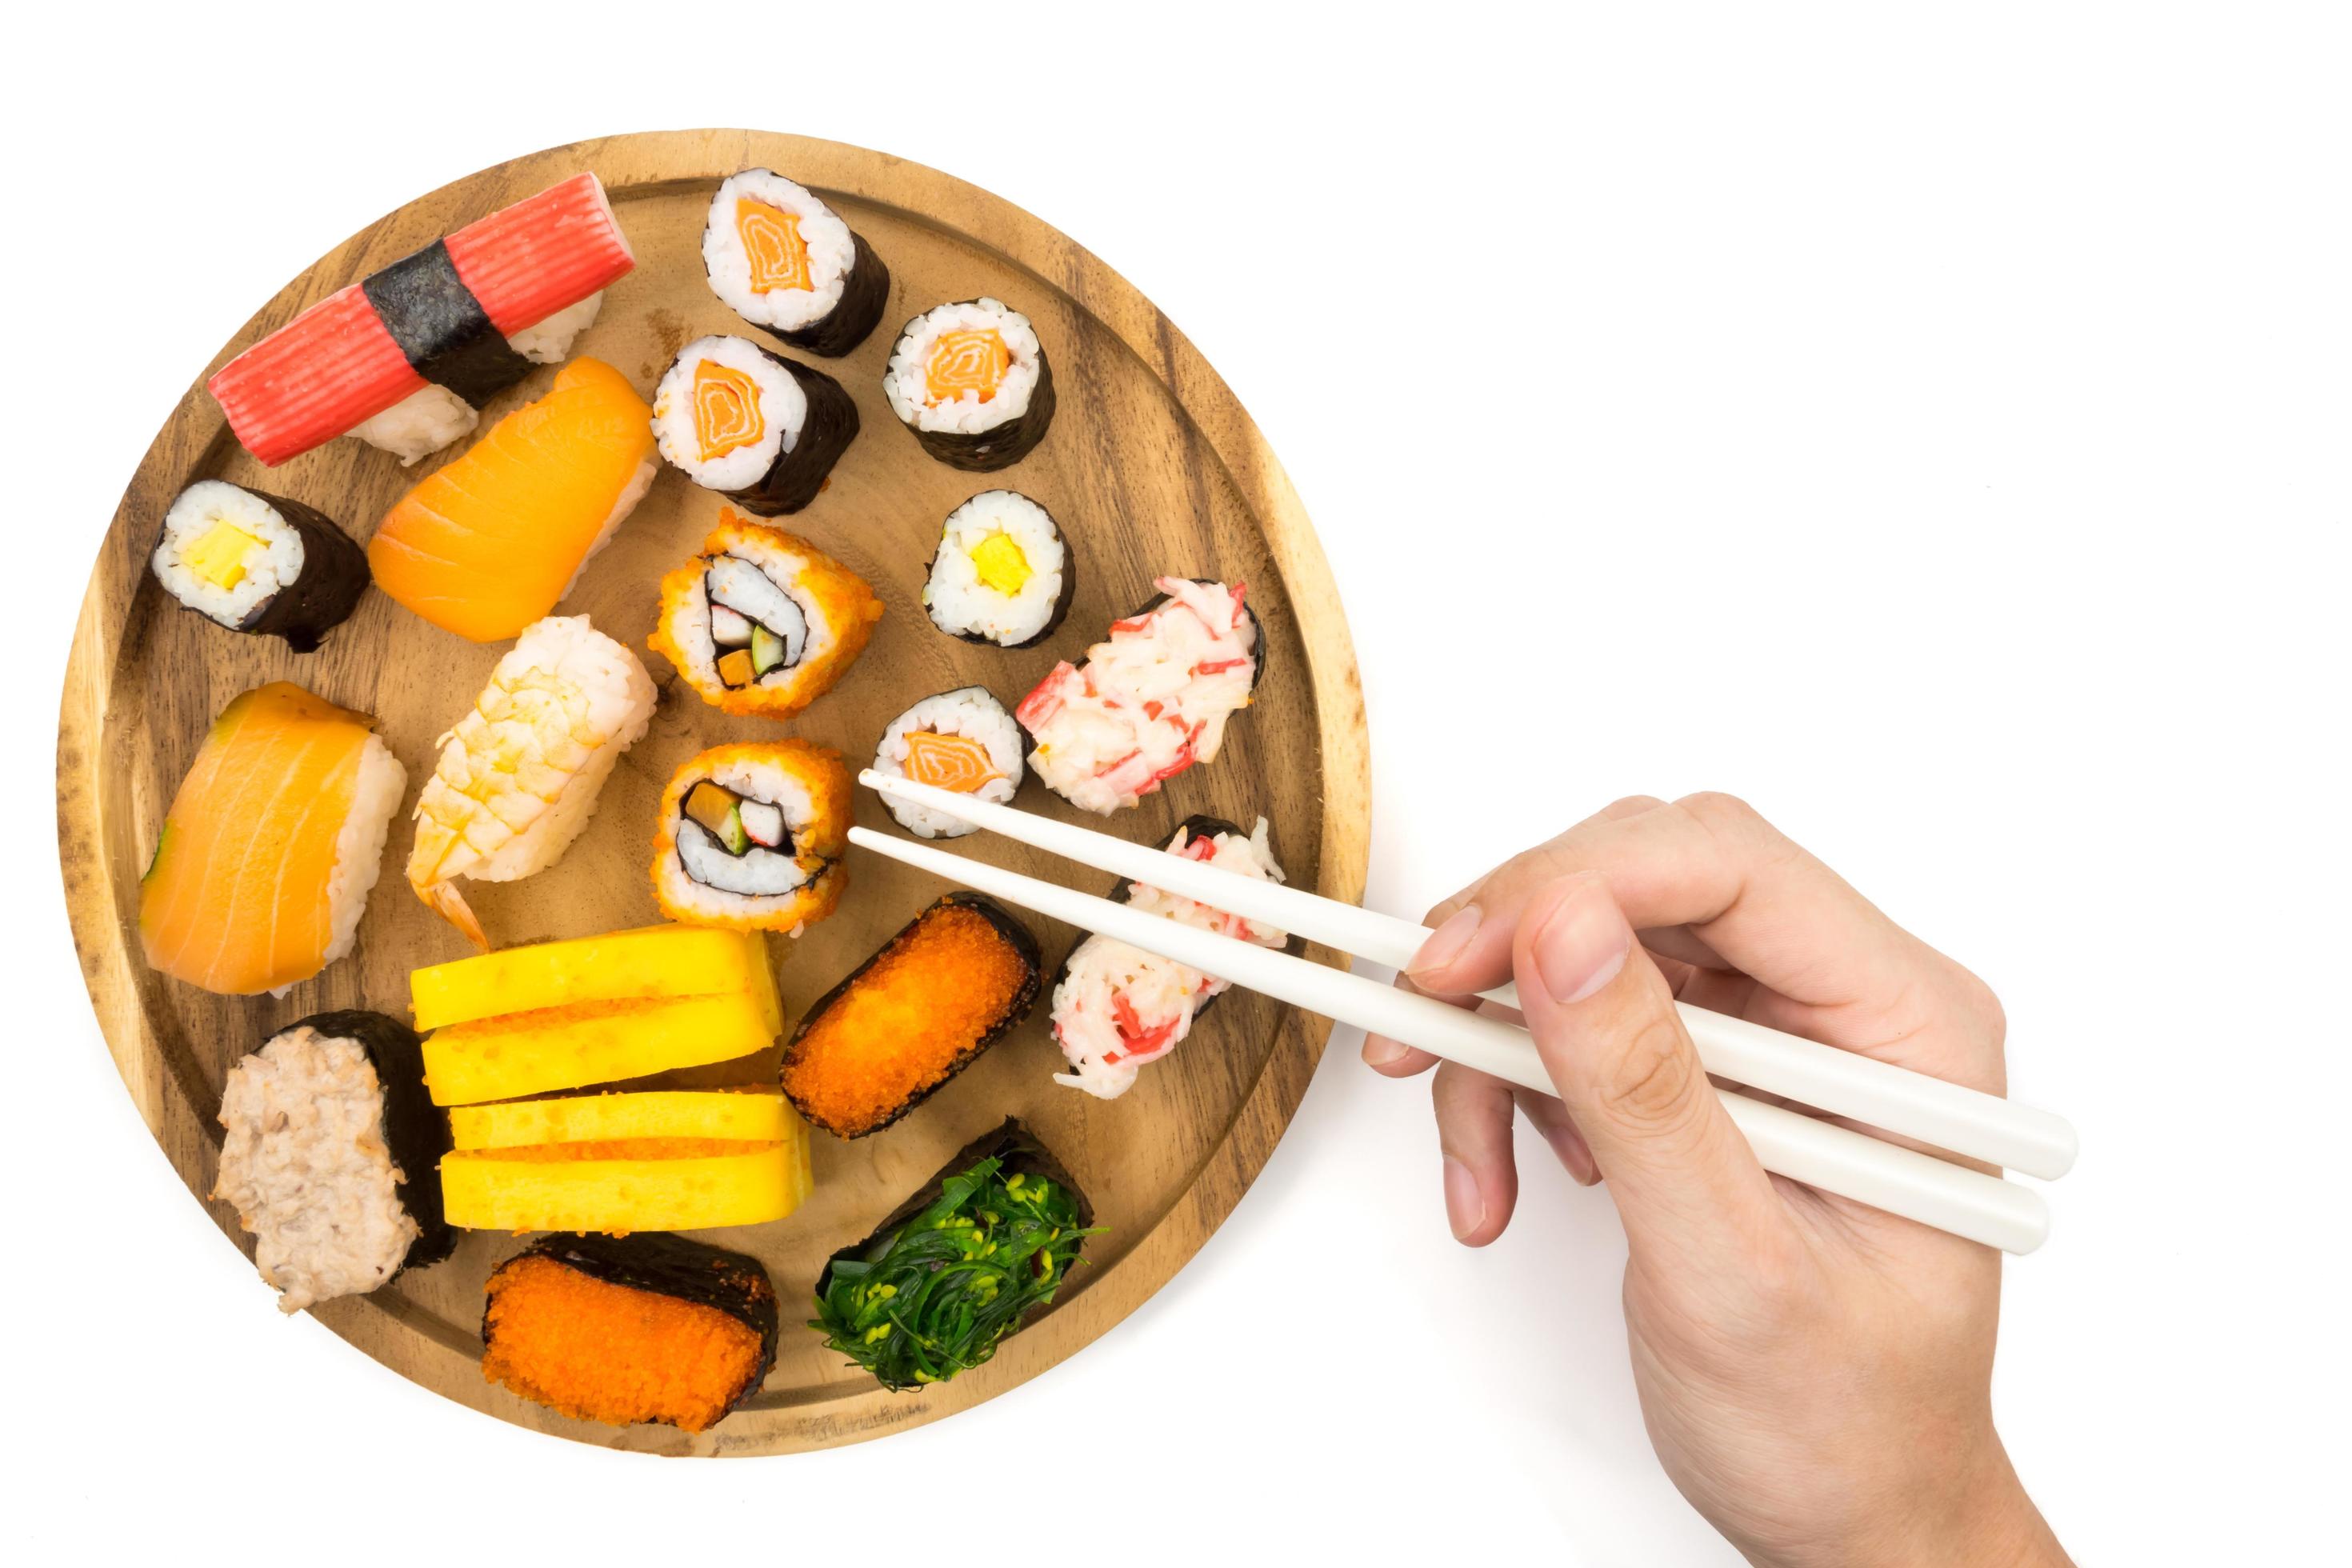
(1815, 1374)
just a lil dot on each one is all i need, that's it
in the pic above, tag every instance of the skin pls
(1815, 1375)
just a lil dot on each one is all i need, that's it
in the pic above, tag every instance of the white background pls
(1929, 423)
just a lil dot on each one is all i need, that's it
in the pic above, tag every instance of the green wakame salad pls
(936, 1295)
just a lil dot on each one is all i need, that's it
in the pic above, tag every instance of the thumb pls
(1682, 1177)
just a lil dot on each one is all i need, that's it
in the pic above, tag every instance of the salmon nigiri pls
(518, 773)
(272, 844)
(487, 544)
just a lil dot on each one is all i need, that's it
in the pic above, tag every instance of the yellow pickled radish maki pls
(1001, 573)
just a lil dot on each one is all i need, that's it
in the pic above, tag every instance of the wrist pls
(1985, 1518)
(1975, 1513)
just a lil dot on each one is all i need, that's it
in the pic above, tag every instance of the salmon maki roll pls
(762, 623)
(783, 260)
(751, 837)
(488, 543)
(963, 742)
(758, 428)
(520, 773)
(970, 382)
(272, 844)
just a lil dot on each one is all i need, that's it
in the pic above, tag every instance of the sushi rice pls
(724, 255)
(781, 408)
(1118, 1008)
(210, 505)
(788, 819)
(433, 417)
(907, 381)
(970, 713)
(818, 612)
(1001, 573)
(358, 846)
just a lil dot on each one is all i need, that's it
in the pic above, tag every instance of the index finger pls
(1710, 865)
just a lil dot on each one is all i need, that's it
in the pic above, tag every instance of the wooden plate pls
(1150, 467)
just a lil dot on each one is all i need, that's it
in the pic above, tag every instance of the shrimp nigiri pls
(519, 776)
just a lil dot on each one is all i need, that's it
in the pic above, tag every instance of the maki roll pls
(328, 1152)
(646, 1328)
(258, 563)
(1001, 573)
(784, 260)
(520, 773)
(272, 844)
(758, 428)
(962, 740)
(912, 1016)
(975, 1255)
(1148, 702)
(1116, 1007)
(971, 381)
(762, 623)
(404, 359)
(751, 837)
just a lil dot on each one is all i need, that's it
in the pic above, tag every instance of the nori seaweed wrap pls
(333, 1169)
(258, 563)
(771, 249)
(724, 414)
(975, 1255)
(567, 1324)
(951, 983)
(971, 382)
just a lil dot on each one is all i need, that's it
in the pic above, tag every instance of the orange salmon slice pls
(956, 763)
(966, 361)
(726, 409)
(772, 244)
(485, 545)
(237, 899)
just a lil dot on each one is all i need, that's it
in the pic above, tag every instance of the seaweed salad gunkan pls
(959, 1266)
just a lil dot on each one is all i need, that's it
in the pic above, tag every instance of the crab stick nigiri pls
(487, 544)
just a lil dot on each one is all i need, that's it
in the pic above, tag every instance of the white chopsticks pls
(1834, 1158)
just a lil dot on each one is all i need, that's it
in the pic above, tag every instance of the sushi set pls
(572, 539)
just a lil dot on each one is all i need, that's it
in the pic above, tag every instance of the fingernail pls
(1465, 1211)
(1444, 944)
(1573, 1156)
(1381, 1051)
(1582, 944)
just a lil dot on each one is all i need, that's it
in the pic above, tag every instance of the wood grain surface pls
(1150, 468)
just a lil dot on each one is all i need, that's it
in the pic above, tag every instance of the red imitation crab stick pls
(1149, 702)
(435, 318)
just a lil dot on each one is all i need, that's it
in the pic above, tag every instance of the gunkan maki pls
(948, 987)
(624, 1330)
(330, 1156)
(1116, 1007)
(977, 1253)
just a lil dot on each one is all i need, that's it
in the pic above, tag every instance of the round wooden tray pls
(1151, 467)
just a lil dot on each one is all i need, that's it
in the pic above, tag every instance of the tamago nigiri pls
(489, 543)
(519, 774)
